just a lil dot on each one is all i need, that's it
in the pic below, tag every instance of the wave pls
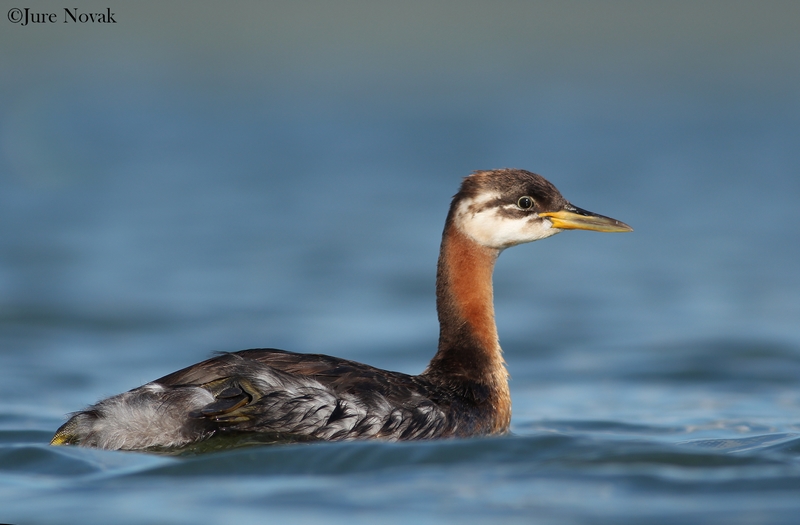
(535, 453)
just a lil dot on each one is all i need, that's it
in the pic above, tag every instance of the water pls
(269, 176)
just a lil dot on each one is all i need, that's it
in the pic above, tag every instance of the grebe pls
(270, 395)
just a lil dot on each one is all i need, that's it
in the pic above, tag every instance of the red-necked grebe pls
(283, 396)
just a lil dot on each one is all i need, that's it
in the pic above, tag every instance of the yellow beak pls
(574, 218)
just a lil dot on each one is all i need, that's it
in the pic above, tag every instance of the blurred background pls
(201, 176)
(210, 176)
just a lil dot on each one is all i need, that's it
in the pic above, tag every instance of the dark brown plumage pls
(278, 396)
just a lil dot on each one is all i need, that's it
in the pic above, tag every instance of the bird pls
(268, 395)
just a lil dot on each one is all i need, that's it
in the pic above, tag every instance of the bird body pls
(279, 396)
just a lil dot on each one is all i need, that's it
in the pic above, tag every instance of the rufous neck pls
(468, 343)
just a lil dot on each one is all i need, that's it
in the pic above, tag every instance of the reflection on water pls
(282, 180)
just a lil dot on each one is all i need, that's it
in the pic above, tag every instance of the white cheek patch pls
(486, 225)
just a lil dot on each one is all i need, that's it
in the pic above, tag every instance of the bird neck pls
(469, 351)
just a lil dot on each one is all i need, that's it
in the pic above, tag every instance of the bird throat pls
(469, 350)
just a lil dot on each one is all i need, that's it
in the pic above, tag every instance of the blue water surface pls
(197, 179)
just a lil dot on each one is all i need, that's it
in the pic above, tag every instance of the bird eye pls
(525, 203)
